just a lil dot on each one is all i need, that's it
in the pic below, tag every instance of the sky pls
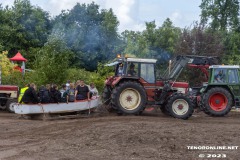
(132, 14)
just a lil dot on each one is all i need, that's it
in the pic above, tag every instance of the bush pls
(15, 78)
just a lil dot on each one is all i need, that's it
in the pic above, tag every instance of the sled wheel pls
(10, 105)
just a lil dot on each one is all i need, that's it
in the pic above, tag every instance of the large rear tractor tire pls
(10, 105)
(129, 98)
(217, 102)
(180, 106)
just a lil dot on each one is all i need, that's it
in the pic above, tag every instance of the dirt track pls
(150, 136)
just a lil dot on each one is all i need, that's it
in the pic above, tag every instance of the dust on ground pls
(149, 136)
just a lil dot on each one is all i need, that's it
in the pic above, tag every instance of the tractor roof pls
(224, 66)
(141, 60)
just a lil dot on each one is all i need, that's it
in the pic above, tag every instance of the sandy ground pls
(149, 136)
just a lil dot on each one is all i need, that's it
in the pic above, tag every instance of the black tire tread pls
(207, 109)
(127, 84)
(182, 96)
(9, 101)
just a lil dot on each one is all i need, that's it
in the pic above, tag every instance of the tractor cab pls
(133, 68)
(224, 74)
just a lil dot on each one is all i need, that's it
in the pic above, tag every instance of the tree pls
(221, 14)
(52, 62)
(91, 34)
(5, 64)
(167, 36)
(153, 42)
(134, 44)
(23, 26)
(200, 40)
(232, 48)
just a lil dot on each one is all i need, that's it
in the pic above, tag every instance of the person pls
(71, 93)
(55, 95)
(63, 89)
(120, 69)
(82, 91)
(93, 90)
(68, 85)
(131, 71)
(22, 91)
(64, 93)
(44, 94)
(219, 77)
(30, 95)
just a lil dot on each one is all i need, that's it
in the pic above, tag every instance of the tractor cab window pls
(147, 72)
(132, 69)
(232, 76)
(219, 75)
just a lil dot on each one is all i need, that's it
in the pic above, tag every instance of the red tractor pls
(8, 97)
(135, 86)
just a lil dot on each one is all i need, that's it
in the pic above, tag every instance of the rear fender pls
(118, 80)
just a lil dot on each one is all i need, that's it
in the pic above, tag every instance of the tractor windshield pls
(147, 72)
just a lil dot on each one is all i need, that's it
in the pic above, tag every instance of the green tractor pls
(222, 90)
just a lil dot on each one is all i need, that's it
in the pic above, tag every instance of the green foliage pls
(15, 78)
(222, 14)
(52, 62)
(5, 65)
(97, 77)
(152, 42)
(105, 71)
(82, 39)
(91, 34)
(23, 26)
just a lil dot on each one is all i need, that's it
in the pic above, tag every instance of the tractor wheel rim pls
(218, 102)
(180, 107)
(130, 99)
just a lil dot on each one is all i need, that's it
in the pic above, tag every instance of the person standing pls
(82, 91)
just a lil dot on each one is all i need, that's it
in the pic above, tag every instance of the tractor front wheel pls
(129, 97)
(180, 106)
(217, 102)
